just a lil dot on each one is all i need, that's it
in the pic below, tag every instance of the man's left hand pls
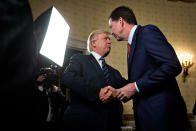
(127, 91)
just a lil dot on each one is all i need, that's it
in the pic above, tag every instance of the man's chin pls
(107, 53)
(119, 39)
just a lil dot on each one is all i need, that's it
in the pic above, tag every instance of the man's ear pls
(121, 21)
(93, 43)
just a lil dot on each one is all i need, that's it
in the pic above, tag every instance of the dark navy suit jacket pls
(153, 65)
(85, 78)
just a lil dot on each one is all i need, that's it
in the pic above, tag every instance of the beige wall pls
(177, 20)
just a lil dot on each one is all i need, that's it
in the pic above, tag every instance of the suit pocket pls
(157, 102)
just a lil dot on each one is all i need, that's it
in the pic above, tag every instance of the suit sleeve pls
(73, 78)
(164, 56)
(119, 81)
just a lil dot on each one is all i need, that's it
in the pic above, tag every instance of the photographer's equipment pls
(51, 77)
(52, 32)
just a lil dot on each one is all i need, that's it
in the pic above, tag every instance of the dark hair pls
(124, 12)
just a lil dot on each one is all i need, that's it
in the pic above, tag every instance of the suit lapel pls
(133, 44)
(95, 64)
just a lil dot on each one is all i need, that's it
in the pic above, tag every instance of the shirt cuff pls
(136, 87)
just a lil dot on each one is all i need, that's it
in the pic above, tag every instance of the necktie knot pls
(102, 62)
(102, 59)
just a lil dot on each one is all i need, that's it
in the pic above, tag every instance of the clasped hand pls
(109, 93)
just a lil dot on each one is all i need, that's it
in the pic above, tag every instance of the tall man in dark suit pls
(152, 68)
(18, 61)
(91, 105)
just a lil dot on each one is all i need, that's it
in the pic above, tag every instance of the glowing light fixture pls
(186, 62)
(56, 36)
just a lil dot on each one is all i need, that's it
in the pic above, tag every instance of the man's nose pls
(108, 40)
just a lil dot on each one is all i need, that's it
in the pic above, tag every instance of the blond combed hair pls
(93, 36)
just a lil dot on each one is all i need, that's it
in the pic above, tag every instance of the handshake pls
(109, 93)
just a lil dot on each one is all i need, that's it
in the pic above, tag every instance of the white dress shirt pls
(130, 42)
(97, 57)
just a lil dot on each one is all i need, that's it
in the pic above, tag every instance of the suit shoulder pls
(77, 56)
(150, 28)
(149, 31)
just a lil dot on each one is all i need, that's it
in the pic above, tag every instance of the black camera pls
(51, 76)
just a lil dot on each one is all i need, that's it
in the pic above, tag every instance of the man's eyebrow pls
(107, 37)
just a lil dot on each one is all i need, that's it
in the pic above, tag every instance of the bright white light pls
(185, 57)
(55, 41)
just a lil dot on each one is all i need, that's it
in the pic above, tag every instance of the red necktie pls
(128, 49)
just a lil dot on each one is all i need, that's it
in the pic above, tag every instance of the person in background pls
(152, 68)
(18, 57)
(50, 100)
(92, 85)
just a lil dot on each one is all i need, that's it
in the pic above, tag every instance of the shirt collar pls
(96, 55)
(131, 34)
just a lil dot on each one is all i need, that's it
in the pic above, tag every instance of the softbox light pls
(52, 33)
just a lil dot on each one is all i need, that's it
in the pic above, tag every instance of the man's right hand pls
(108, 93)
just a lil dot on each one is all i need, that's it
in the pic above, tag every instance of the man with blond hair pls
(91, 81)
